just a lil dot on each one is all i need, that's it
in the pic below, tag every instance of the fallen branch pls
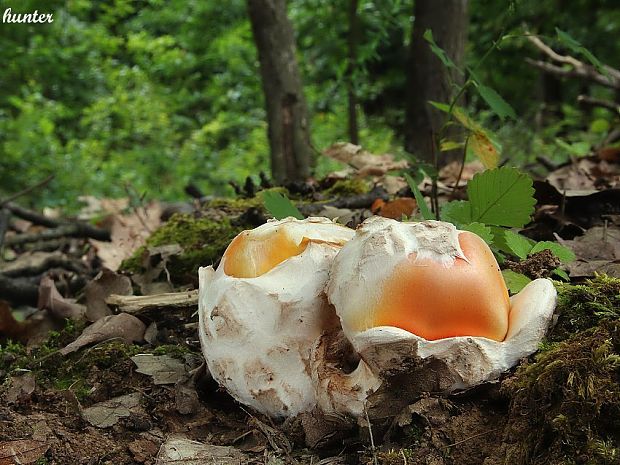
(67, 230)
(5, 216)
(42, 262)
(18, 290)
(576, 68)
(137, 304)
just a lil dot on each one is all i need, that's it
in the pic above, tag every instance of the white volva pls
(257, 333)
(359, 273)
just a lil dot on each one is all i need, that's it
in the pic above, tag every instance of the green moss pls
(584, 306)
(566, 404)
(346, 187)
(173, 350)
(203, 241)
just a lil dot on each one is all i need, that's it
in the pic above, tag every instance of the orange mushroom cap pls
(433, 301)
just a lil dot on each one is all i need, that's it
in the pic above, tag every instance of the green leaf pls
(457, 212)
(578, 149)
(563, 253)
(498, 105)
(501, 197)
(466, 121)
(515, 281)
(438, 51)
(562, 274)
(517, 244)
(280, 206)
(483, 148)
(424, 210)
(576, 47)
(440, 106)
(447, 145)
(480, 229)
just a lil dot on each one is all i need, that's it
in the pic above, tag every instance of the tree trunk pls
(353, 37)
(288, 129)
(427, 78)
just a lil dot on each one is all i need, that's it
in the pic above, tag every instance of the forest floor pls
(135, 390)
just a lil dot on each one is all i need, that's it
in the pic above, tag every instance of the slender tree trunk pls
(288, 130)
(427, 77)
(353, 38)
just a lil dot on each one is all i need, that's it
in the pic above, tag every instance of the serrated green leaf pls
(424, 210)
(563, 253)
(576, 47)
(501, 197)
(483, 148)
(517, 244)
(457, 212)
(438, 51)
(562, 274)
(280, 206)
(480, 229)
(515, 282)
(496, 102)
(447, 145)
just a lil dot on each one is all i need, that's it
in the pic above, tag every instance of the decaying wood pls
(576, 69)
(39, 262)
(18, 290)
(65, 230)
(137, 304)
(5, 216)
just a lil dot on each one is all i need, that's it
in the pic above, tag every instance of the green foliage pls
(515, 282)
(498, 197)
(481, 230)
(280, 206)
(424, 210)
(496, 102)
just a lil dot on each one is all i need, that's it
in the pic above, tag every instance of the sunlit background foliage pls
(151, 95)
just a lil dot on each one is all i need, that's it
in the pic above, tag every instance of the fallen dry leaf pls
(586, 173)
(394, 209)
(106, 283)
(598, 250)
(182, 451)
(362, 161)
(50, 299)
(20, 388)
(122, 326)
(107, 413)
(128, 232)
(163, 368)
(22, 451)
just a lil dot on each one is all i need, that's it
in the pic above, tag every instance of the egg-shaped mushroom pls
(262, 309)
(425, 305)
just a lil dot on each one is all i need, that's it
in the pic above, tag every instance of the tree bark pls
(352, 40)
(427, 77)
(288, 128)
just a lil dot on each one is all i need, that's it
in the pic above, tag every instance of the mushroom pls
(263, 308)
(425, 307)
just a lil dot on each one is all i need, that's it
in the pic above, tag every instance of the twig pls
(136, 304)
(470, 438)
(595, 102)
(372, 439)
(26, 190)
(578, 69)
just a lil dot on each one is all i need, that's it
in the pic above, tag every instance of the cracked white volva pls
(257, 333)
(264, 338)
(358, 275)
